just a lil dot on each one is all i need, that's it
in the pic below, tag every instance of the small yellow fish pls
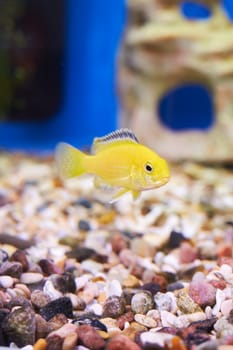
(117, 160)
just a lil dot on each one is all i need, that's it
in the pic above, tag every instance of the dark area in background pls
(31, 59)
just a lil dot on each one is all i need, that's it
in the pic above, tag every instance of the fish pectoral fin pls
(100, 184)
(119, 194)
(135, 194)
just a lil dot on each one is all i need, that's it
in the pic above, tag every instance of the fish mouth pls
(162, 181)
(157, 183)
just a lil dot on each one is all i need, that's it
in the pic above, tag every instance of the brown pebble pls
(225, 260)
(218, 284)
(224, 251)
(41, 344)
(151, 277)
(42, 328)
(54, 342)
(39, 299)
(127, 317)
(137, 271)
(187, 253)
(141, 247)
(48, 267)
(121, 342)
(56, 322)
(20, 256)
(131, 282)
(70, 341)
(134, 329)
(161, 281)
(127, 258)
(89, 337)
(65, 330)
(25, 291)
(118, 243)
(15, 241)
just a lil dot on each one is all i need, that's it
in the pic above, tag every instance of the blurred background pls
(59, 71)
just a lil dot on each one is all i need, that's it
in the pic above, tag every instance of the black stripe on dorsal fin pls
(114, 137)
(121, 134)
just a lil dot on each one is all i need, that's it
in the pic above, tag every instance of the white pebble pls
(226, 271)
(145, 320)
(208, 312)
(172, 261)
(199, 276)
(158, 338)
(220, 297)
(95, 308)
(51, 291)
(31, 277)
(82, 281)
(92, 266)
(113, 288)
(168, 319)
(154, 313)
(185, 320)
(6, 281)
(226, 307)
(165, 301)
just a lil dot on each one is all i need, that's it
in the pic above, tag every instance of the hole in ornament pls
(187, 107)
(228, 8)
(193, 10)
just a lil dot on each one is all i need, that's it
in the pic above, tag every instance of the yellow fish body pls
(117, 160)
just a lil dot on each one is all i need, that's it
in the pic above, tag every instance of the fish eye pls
(148, 167)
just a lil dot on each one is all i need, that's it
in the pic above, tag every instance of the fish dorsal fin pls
(115, 137)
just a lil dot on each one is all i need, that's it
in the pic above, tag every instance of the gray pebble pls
(18, 300)
(20, 326)
(142, 302)
(13, 269)
(64, 283)
(31, 277)
(3, 256)
(114, 307)
(39, 299)
(84, 225)
(6, 281)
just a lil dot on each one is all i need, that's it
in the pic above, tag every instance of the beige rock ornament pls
(162, 50)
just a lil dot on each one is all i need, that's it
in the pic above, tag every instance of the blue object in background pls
(196, 113)
(228, 7)
(190, 106)
(89, 105)
(93, 31)
(194, 10)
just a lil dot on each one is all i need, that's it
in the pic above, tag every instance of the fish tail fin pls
(69, 161)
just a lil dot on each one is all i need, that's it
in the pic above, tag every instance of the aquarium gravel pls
(77, 272)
